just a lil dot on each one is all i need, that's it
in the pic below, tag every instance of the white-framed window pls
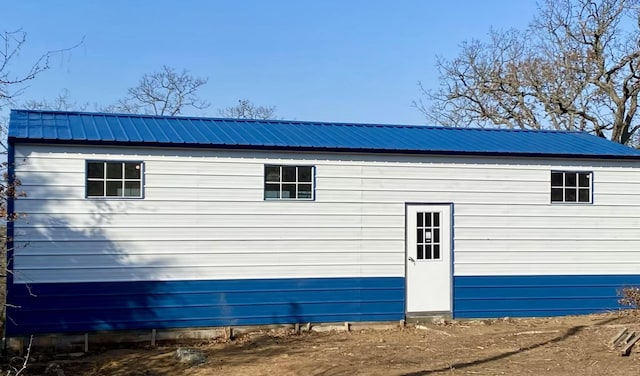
(287, 182)
(574, 187)
(113, 179)
(428, 236)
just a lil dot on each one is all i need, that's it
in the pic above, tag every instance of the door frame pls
(451, 205)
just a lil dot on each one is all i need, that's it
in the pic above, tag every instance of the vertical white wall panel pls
(203, 216)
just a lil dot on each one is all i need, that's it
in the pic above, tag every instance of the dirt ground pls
(576, 345)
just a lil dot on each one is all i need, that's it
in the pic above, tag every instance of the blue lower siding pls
(530, 296)
(80, 307)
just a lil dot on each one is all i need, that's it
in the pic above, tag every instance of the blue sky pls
(329, 60)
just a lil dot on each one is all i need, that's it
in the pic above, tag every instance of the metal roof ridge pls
(301, 122)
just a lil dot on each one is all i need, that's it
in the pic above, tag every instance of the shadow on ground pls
(462, 365)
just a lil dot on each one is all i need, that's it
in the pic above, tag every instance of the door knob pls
(411, 259)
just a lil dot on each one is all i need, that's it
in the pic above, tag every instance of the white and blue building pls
(140, 222)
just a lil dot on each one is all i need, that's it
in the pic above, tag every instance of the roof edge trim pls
(18, 140)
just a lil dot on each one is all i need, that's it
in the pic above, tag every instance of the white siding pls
(203, 217)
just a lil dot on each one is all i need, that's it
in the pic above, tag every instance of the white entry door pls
(428, 258)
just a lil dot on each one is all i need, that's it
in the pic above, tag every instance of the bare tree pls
(245, 109)
(576, 67)
(14, 77)
(13, 80)
(166, 92)
(62, 102)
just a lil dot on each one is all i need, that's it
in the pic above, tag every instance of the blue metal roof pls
(107, 128)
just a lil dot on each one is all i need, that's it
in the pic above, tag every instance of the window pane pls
(427, 252)
(132, 189)
(570, 195)
(288, 191)
(420, 219)
(304, 174)
(272, 191)
(114, 171)
(556, 194)
(570, 179)
(304, 191)
(132, 170)
(419, 236)
(95, 170)
(436, 235)
(584, 196)
(289, 173)
(272, 173)
(436, 219)
(556, 179)
(436, 251)
(427, 219)
(583, 180)
(420, 254)
(95, 188)
(114, 188)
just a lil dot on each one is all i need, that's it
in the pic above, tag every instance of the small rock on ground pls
(191, 356)
(54, 369)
